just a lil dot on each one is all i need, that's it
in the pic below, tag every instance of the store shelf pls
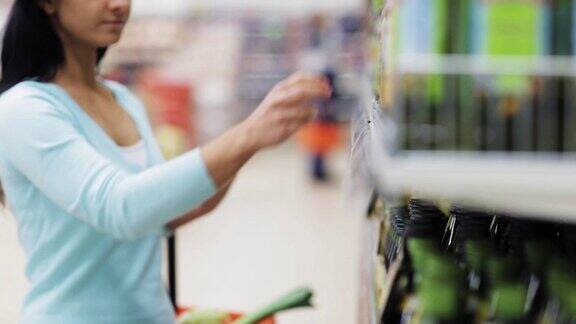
(525, 184)
(530, 184)
(540, 185)
(468, 107)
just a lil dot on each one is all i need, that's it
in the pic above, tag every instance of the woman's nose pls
(119, 6)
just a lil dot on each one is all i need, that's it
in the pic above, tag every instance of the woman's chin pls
(108, 42)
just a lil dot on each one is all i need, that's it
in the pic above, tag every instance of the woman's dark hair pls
(31, 48)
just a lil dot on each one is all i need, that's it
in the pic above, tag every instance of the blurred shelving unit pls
(474, 122)
(524, 181)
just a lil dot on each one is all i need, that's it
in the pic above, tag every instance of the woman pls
(84, 176)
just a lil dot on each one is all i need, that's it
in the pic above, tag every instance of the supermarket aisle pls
(274, 232)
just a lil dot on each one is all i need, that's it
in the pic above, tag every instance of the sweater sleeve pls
(43, 144)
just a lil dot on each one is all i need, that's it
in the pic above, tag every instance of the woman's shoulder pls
(29, 91)
(29, 97)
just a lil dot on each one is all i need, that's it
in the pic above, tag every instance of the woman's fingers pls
(303, 93)
(302, 77)
(286, 108)
(298, 114)
(298, 89)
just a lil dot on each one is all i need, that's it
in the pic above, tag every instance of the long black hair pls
(31, 48)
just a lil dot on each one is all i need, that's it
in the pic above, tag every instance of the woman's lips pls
(118, 23)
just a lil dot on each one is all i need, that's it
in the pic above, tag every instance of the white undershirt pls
(136, 154)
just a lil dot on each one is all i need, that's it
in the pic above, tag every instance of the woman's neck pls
(79, 68)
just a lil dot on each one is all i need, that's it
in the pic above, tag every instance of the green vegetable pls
(297, 298)
(206, 316)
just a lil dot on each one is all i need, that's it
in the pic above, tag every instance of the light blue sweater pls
(89, 221)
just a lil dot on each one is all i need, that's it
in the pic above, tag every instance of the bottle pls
(419, 22)
(424, 231)
(508, 303)
(472, 245)
(441, 294)
(511, 29)
(465, 112)
(444, 87)
(516, 271)
(423, 234)
(561, 288)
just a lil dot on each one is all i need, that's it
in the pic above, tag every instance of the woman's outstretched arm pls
(39, 138)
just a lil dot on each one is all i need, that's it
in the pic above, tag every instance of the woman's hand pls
(287, 107)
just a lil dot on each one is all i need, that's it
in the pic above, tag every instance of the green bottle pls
(508, 303)
(515, 272)
(420, 251)
(423, 235)
(441, 293)
(503, 277)
(538, 247)
(508, 293)
(424, 230)
(470, 240)
(561, 288)
(512, 29)
(439, 302)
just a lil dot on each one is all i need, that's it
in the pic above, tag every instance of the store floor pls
(275, 231)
